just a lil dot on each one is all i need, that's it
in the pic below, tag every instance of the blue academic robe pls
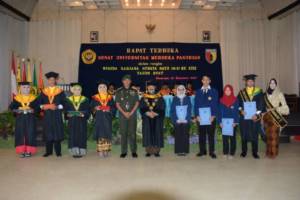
(229, 112)
(207, 99)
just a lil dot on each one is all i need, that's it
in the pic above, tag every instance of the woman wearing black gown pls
(24, 106)
(103, 107)
(77, 113)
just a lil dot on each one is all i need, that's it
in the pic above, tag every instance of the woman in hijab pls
(273, 120)
(229, 109)
(181, 111)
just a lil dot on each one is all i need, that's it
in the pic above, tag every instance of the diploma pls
(227, 126)
(168, 101)
(181, 112)
(249, 109)
(74, 113)
(205, 114)
(23, 111)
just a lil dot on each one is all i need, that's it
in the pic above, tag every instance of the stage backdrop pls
(163, 62)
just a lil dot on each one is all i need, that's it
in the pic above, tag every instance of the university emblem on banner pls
(210, 55)
(88, 56)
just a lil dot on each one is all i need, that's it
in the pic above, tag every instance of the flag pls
(29, 76)
(23, 71)
(19, 79)
(34, 81)
(41, 82)
(13, 78)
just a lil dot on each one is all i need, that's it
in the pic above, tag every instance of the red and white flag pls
(13, 76)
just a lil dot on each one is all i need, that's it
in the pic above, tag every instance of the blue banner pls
(163, 62)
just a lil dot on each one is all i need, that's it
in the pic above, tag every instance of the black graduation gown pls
(103, 120)
(249, 129)
(25, 127)
(53, 119)
(77, 126)
(152, 129)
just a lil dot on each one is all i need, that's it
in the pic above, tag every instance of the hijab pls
(180, 91)
(269, 89)
(228, 100)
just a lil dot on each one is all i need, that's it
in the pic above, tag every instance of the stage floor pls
(165, 178)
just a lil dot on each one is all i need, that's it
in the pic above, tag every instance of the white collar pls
(207, 88)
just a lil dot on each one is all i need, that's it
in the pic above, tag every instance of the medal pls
(127, 106)
(76, 104)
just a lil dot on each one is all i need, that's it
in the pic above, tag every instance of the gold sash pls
(244, 95)
(279, 120)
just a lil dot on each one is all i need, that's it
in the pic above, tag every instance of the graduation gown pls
(53, 119)
(152, 129)
(181, 129)
(103, 117)
(25, 129)
(77, 125)
(249, 128)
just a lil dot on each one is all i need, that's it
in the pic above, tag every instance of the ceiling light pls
(209, 6)
(75, 3)
(200, 2)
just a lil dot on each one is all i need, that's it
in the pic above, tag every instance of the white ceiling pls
(24, 6)
(154, 4)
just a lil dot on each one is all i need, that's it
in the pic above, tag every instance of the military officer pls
(127, 102)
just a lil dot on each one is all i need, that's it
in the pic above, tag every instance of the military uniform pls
(127, 98)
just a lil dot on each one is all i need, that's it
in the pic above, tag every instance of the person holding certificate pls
(77, 113)
(206, 110)
(152, 108)
(52, 100)
(251, 106)
(181, 111)
(24, 106)
(228, 120)
(103, 109)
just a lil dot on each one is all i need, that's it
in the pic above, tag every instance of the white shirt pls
(205, 89)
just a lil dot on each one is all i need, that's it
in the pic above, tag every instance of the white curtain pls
(56, 44)
(266, 48)
(13, 37)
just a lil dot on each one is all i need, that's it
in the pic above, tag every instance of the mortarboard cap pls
(51, 75)
(24, 83)
(250, 77)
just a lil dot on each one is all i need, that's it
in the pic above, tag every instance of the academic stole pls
(277, 117)
(76, 104)
(103, 101)
(25, 102)
(51, 95)
(244, 95)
